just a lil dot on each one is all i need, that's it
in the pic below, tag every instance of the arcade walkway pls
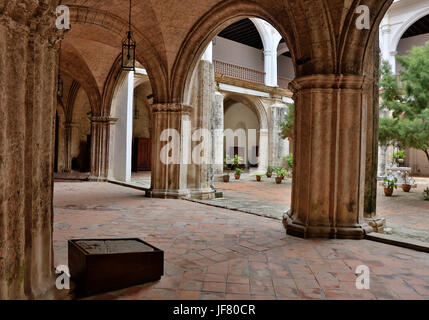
(213, 253)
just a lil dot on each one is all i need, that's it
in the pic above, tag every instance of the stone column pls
(68, 145)
(121, 157)
(100, 140)
(270, 62)
(279, 147)
(329, 158)
(28, 64)
(263, 150)
(218, 127)
(171, 152)
(200, 174)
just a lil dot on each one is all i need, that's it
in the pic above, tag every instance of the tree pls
(288, 124)
(408, 102)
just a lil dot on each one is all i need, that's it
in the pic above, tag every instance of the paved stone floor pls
(407, 214)
(214, 253)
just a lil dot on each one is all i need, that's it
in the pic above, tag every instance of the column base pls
(202, 194)
(297, 229)
(377, 224)
(168, 194)
(97, 179)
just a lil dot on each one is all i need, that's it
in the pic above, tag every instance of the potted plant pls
(279, 175)
(389, 186)
(399, 157)
(259, 177)
(270, 171)
(289, 161)
(426, 194)
(237, 161)
(238, 173)
(406, 186)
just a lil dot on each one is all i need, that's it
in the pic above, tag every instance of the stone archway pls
(256, 106)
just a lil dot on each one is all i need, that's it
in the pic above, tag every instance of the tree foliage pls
(408, 102)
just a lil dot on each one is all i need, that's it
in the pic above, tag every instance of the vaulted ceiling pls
(245, 32)
(418, 28)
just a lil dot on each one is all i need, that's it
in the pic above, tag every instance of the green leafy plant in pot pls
(238, 173)
(280, 175)
(407, 185)
(399, 157)
(389, 186)
(259, 176)
(270, 171)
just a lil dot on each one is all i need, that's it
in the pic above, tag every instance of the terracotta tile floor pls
(406, 213)
(213, 253)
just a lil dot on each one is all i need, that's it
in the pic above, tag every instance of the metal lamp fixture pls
(129, 50)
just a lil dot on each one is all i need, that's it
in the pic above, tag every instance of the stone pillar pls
(329, 158)
(171, 152)
(263, 150)
(270, 62)
(68, 145)
(28, 64)
(200, 174)
(371, 99)
(279, 147)
(100, 138)
(123, 134)
(218, 127)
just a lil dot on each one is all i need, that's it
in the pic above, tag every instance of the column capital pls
(170, 107)
(327, 81)
(103, 119)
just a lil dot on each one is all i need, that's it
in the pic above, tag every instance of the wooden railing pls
(239, 72)
(283, 82)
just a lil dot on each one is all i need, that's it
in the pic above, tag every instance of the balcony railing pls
(239, 72)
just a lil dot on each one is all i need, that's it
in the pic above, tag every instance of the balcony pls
(246, 74)
(239, 72)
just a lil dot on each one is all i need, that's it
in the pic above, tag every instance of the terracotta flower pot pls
(279, 180)
(237, 176)
(269, 174)
(226, 178)
(258, 178)
(283, 177)
(388, 192)
(406, 187)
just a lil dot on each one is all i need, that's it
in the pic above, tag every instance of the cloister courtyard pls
(216, 253)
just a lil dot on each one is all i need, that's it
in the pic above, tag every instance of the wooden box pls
(101, 265)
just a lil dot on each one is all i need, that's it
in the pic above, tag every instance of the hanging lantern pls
(129, 49)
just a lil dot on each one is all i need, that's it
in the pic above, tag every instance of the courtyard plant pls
(289, 161)
(270, 171)
(238, 173)
(426, 194)
(280, 175)
(259, 176)
(399, 157)
(407, 185)
(407, 101)
(389, 184)
(237, 161)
